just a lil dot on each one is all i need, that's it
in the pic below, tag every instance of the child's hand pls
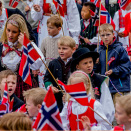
(54, 89)
(121, 34)
(86, 40)
(37, 8)
(35, 72)
(21, 38)
(64, 97)
(86, 123)
(27, 8)
(108, 73)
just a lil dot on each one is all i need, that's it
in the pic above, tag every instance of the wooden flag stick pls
(48, 69)
(24, 3)
(101, 117)
(99, 25)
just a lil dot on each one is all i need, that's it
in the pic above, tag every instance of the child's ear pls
(59, 28)
(39, 106)
(130, 118)
(74, 49)
(77, 67)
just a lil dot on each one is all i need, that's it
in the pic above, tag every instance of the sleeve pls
(101, 125)
(124, 63)
(37, 15)
(95, 39)
(107, 102)
(38, 63)
(116, 21)
(63, 115)
(43, 48)
(73, 20)
(47, 77)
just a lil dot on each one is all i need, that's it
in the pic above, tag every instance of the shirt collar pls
(57, 36)
(11, 44)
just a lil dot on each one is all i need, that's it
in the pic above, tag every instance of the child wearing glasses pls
(113, 61)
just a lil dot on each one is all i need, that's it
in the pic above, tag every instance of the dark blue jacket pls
(119, 62)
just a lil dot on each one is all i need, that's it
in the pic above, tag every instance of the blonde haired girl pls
(73, 111)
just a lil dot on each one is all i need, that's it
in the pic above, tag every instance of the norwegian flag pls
(22, 109)
(96, 2)
(59, 7)
(48, 117)
(29, 56)
(5, 95)
(77, 91)
(124, 3)
(6, 108)
(14, 3)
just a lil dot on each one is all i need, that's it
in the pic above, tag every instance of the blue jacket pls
(119, 62)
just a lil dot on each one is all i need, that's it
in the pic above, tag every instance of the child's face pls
(85, 65)
(31, 108)
(12, 33)
(120, 115)
(65, 52)
(107, 37)
(77, 80)
(11, 81)
(85, 13)
(2, 85)
(53, 30)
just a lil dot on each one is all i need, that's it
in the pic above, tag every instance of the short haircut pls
(15, 121)
(106, 27)
(68, 41)
(125, 103)
(91, 5)
(6, 73)
(55, 20)
(37, 95)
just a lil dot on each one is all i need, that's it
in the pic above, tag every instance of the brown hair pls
(55, 20)
(91, 5)
(6, 73)
(21, 25)
(37, 95)
(68, 41)
(125, 103)
(15, 121)
(106, 27)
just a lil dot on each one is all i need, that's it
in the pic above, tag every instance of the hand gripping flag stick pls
(48, 69)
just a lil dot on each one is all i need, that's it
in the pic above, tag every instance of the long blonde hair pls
(82, 75)
(21, 26)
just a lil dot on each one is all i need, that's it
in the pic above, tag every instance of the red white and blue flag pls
(59, 7)
(5, 95)
(48, 117)
(14, 3)
(22, 109)
(29, 56)
(77, 91)
(124, 3)
(6, 108)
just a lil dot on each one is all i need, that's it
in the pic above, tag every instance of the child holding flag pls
(11, 79)
(113, 61)
(88, 34)
(73, 111)
(11, 50)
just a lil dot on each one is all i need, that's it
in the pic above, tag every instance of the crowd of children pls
(72, 55)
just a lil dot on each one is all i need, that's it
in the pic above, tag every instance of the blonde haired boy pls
(60, 67)
(113, 61)
(49, 44)
(34, 98)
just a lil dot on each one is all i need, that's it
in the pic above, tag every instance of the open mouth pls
(10, 90)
